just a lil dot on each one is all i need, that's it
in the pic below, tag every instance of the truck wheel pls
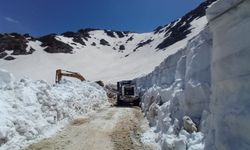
(118, 102)
(136, 102)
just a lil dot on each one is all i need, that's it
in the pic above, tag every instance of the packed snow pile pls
(179, 87)
(31, 110)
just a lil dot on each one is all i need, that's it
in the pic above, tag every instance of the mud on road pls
(126, 134)
(115, 128)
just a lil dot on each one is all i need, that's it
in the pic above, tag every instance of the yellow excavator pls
(60, 73)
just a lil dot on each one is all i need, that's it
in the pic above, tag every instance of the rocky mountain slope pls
(98, 54)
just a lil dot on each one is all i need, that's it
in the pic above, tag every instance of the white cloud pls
(9, 19)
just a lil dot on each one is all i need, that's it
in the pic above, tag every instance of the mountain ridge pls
(173, 32)
(99, 54)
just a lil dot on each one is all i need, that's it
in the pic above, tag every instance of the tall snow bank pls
(230, 113)
(31, 110)
(179, 86)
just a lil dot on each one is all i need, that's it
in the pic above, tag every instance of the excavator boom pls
(60, 73)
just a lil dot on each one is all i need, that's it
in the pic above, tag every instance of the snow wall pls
(230, 72)
(179, 86)
(209, 81)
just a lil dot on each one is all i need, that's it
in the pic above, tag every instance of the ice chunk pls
(6, 78)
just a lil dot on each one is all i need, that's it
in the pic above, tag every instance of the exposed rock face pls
(120, 34)
(179, 29)
(122, 47)
(130, 39)
(3, 54)
(54, 46)
(110, 33)
(85, 33)
(143, 44)
(80, 35)
(14, 42)
(9, 58)
(104, 42)
(77, 37)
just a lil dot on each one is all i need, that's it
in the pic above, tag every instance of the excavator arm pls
(60, 73)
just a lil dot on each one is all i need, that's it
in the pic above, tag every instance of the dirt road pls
(116, 128)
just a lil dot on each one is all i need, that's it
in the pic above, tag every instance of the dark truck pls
(127, 93)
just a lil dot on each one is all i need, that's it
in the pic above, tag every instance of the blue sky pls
(40, 17)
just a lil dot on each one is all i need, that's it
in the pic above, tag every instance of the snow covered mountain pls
(99, 54)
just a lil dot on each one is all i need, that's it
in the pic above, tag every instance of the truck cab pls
(127, 93)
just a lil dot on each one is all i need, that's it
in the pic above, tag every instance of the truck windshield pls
(129, 91)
